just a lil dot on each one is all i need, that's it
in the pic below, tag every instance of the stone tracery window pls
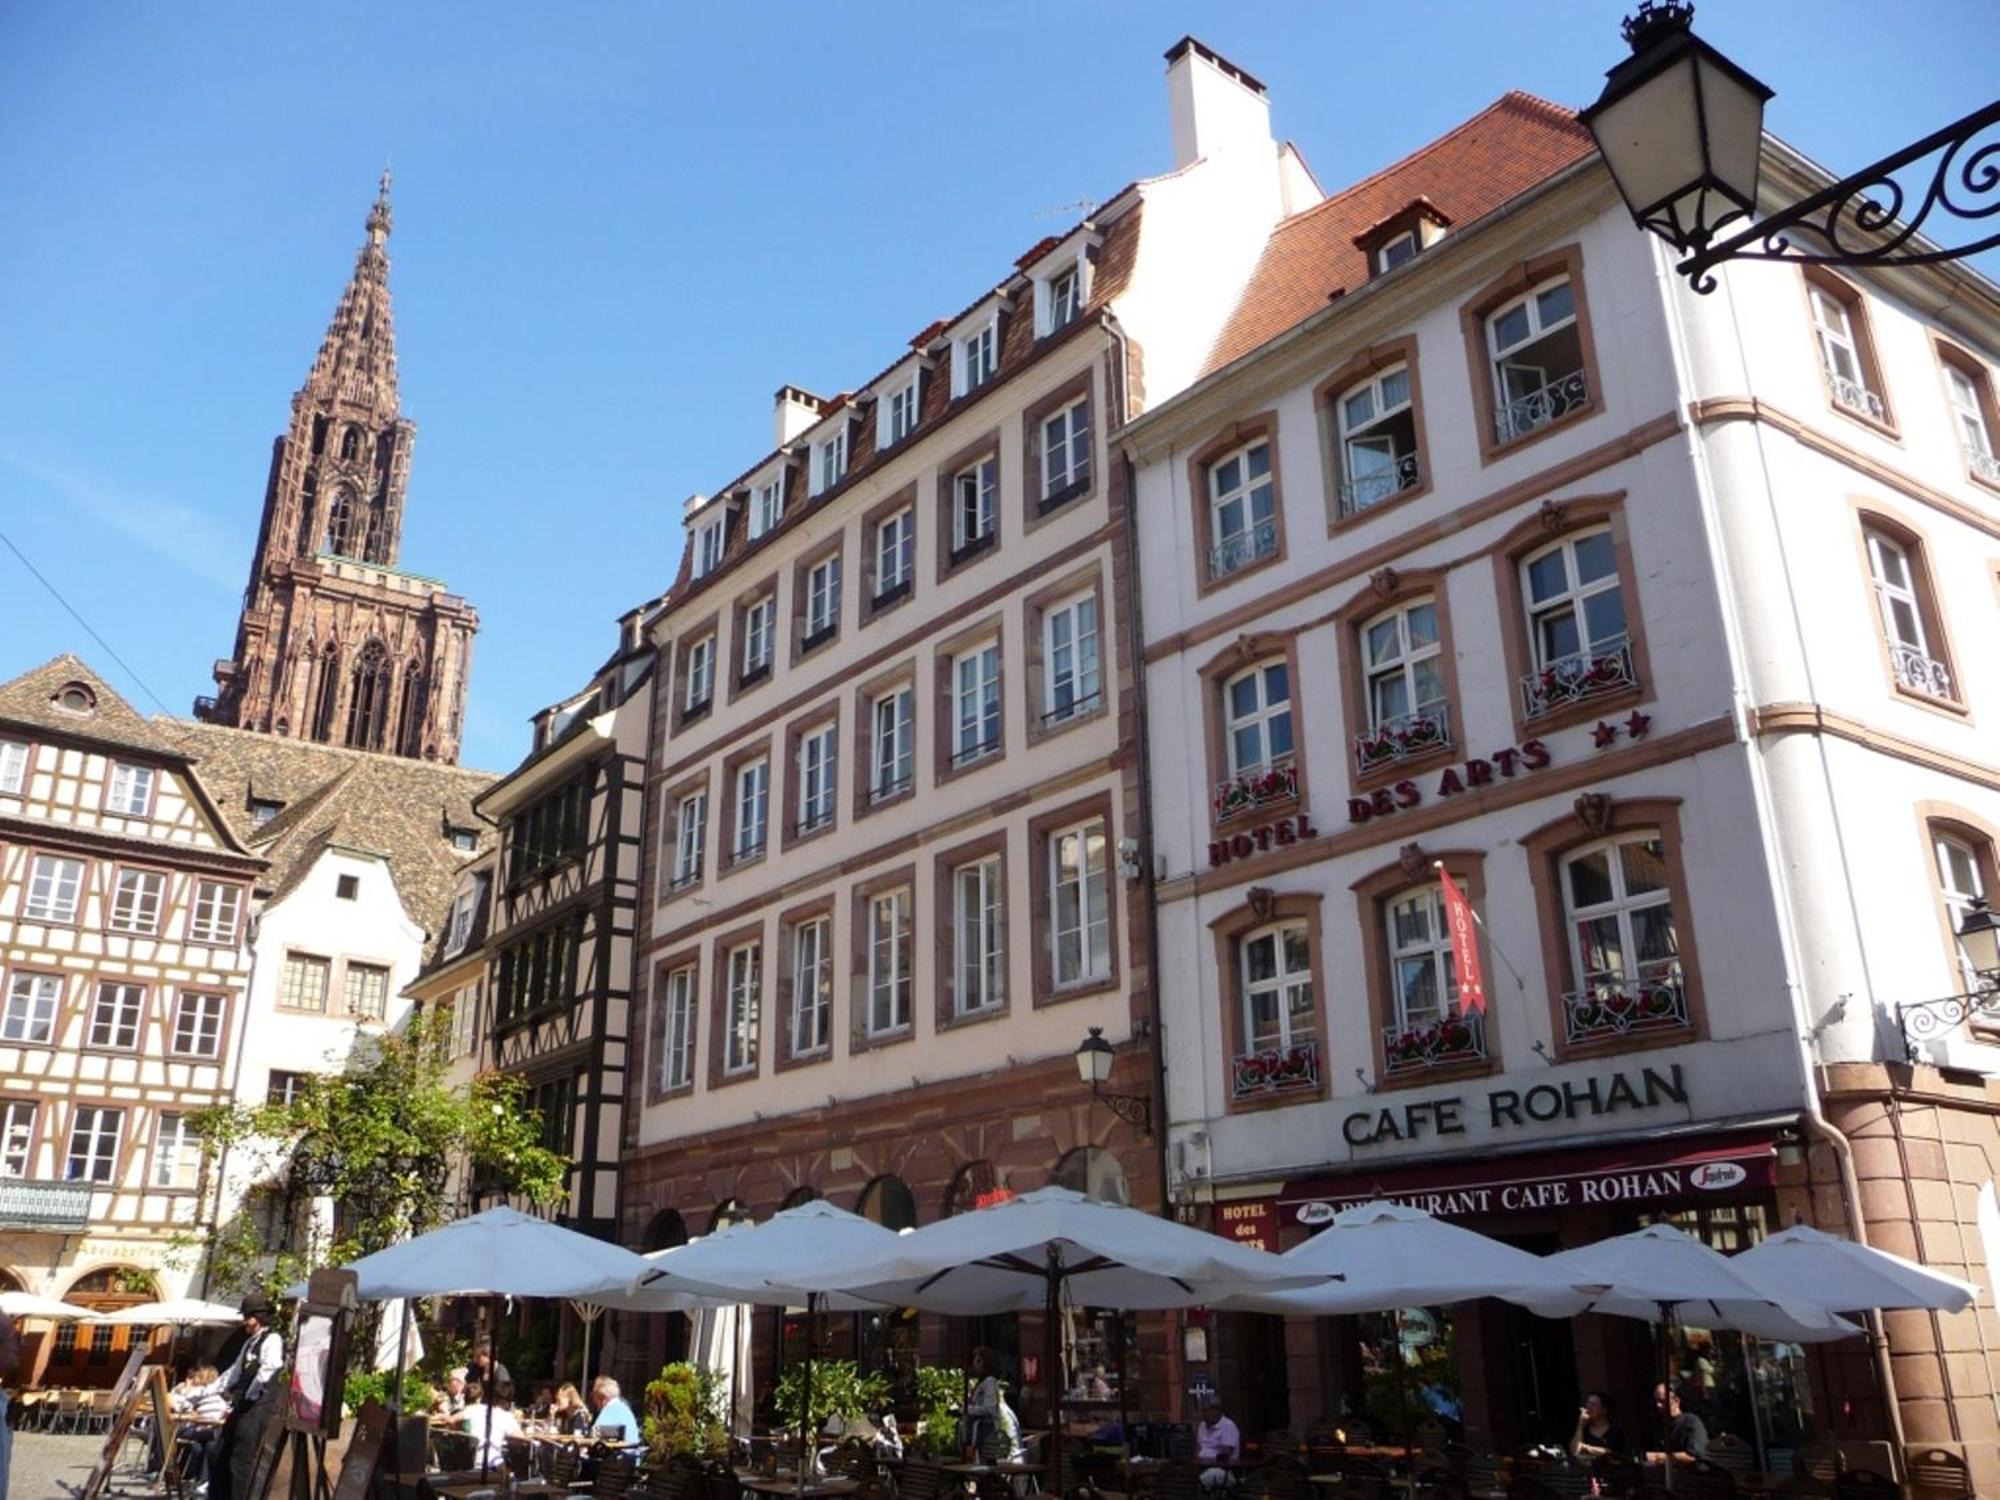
(368, 698)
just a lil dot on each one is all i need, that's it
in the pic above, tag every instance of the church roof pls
(399, 809)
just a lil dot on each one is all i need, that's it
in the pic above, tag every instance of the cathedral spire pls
(356, 365)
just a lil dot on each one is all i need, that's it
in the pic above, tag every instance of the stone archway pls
(90, 1355)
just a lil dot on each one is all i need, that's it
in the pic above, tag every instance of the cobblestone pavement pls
(49, 1466)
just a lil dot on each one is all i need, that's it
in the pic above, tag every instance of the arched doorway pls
(885, 1342)
(91, 1355)
(1095, 1173)
(976, 1185)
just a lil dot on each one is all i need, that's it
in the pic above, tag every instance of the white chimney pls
(796, 411)
(1214, 105)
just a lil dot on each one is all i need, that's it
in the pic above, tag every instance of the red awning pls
(1654, 1173)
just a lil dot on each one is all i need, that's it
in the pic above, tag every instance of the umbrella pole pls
(402, 1358)
(586, 1349)
(486, 1396)
(1667, 1382)
(1051, 1373)
(1403, 1391)
(806, 1444)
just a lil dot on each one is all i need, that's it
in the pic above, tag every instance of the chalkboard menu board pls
(364, 1452)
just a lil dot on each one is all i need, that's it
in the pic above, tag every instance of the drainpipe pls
(1811, 1115)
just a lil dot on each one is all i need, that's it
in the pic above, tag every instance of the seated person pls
(450, 1401)
(1216, 1444)
(613, 1417)
(544, 1401)
(1687, 1435)
(568, 1412)
(1596, 1435)
(491, 1423)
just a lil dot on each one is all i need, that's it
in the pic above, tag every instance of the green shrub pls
(838, 1390)
(940, 1393)
(685, 1407)
(364, 1386)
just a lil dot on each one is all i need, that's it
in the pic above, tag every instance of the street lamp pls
(1979, 940)
(1682, 129)
(1094, 1057)
(1979, 943)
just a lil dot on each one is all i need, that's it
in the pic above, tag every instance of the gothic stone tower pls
(336, 643)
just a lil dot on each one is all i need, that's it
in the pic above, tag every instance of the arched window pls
(1095, 1173)
(889, 1202)
(350, 443)
(799, 1197)
(1961, 867)
(666, 1231)
(326, 695)
(977, 1184)
(1401, 653)
(368, 698)
(308, 494)
(410, 713)
(340, 524)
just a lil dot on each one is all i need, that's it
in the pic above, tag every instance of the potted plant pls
(684, 1411)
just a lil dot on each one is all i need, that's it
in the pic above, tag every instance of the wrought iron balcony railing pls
(1920, 673)
(1984, 464)
(1856, 397)
(1616, 1005)
(1457, 1038)
(1578, 677)
(1265, 1071)
(1560, 397)
(1403, 737)
(61, 1207)
(1368, 490)
(1254, 787)
(1234, 553)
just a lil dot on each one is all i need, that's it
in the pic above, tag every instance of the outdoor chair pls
(919, 1481)
(1818, 1460)
(1430, 1435)
(1179, 1479)
(1567, 1479)
(1617, 1475)
(69, 1411)
(1861, 1484)
(1703, 1480)
(520, 1457)
(1180, 1441)
(1730, 1452)
(1939, 1474)
(454, 1452)
(1482, 1473)
(615, 1473)
(562, 1465)
(1281, 1477)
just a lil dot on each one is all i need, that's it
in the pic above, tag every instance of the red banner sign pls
(1254, 1223)
(1464, 944)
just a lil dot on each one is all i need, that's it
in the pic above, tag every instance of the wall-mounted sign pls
(1470, 775)
(1254, 1223)
(1248, 841)
(1509, 1108)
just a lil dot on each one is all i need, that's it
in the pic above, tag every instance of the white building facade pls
(1485, 544)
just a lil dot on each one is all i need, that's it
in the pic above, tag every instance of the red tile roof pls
(1502, 151)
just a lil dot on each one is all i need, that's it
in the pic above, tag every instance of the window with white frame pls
(759, 625)
(1257, 704)
(822, 598)
(458, 927)
(767, 505)
(198, 1017)
(17, 1136)
(812, 986)
(1403, 660)
(1893, 574)
(1576, 621)
(744, 1002)
(1242, 509)
(176, 1153)
(1064, 298)
(217, 907)
(1840, 355)
(135, 901)
(700, 674)
(13, 768)
(829, 460)
(1967, 408)
(94, 1133)
(899, 413)
(1961, 881)
(1392, 252)
(32, 1000)
(1423, 984)
(677, 1041)
(707, 547)
(892, 741)
(365, 988)
(888, 962)
(1073, 681)
(895, 552)
(54, 887)
(465, 1020)
(115, 1015)
(131, 790)
(303, 983)
(690, 832)
(976, 357)
(1378, 440)
(1066, 450)
(1277, 988)
(818, 770)
(973, 493)
(753, 808)
(1537, 354)
(1622, 939)
(1080, 929)
(975, 702)
(978, 941)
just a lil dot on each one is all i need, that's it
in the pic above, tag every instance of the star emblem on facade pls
(1603, 734)
(1636, 724)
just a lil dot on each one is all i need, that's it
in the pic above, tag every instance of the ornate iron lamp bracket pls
(1870, 219)
(1922, 1021)
(1133, 1109)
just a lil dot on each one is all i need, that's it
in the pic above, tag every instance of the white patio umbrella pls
(1030, 1251)
(19, 1305)
(1849, 1276)
(182, 1312)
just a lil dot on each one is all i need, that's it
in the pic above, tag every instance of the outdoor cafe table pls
(1011, 1470)
(773, 1484)
(464, 1488)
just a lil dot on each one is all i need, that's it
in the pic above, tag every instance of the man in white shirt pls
(491, 1421)
(1216, 1443)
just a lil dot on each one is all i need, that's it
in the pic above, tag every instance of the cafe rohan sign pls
(1504, 1109)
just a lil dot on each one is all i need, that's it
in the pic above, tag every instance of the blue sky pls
(620, 228)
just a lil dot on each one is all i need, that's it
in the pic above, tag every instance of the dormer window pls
(976, 357)
(1389, 242)
(829, 460)
(263, 809)
(1065, 299)
(462, 838)
(1061, 277)
(899, 414)
(707, 547)
(74, 698)
(1397, 250)
(767, 504)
